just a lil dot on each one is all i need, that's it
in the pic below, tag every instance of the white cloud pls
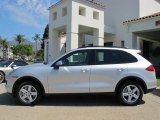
(36, 6)
(21, 16)
(28, 12)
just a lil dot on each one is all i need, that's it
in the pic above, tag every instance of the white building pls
(7, 54)
(125, 23)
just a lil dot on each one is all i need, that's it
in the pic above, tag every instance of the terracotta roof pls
(89, 1)
(143, 18)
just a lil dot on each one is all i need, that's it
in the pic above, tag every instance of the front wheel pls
(2, 77)
(28, 93)
(130, 93)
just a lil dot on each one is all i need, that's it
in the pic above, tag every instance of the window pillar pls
(72, 37)
(98, 37)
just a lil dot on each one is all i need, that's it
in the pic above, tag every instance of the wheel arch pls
(3, 80)
(27, 79)
(132, 78)
(3, 72)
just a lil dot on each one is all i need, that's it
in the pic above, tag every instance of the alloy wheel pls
(28, 94)
(130, 94)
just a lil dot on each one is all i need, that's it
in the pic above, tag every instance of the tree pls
(40, 53)
(23, 50)
(19, 38)
(1, 45)
(37, 38)
(45, 35)
(1, 39)
(5, 45)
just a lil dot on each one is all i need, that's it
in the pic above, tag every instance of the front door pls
(73, 76)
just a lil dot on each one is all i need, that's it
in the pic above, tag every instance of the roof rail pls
(103, 46)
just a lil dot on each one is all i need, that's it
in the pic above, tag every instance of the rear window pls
(114, 57)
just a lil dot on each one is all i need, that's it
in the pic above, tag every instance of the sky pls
(27, 17)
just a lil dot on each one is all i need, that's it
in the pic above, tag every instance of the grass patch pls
(158, 82)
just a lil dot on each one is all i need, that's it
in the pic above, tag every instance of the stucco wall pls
(116, 12)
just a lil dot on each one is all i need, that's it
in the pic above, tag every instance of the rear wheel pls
(28, 93)
(130, 93)
(2, 77)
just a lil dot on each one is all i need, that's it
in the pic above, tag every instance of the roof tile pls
(143, 18)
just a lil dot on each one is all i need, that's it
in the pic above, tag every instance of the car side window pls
(128, 58)
(77, 58)
(113, 57)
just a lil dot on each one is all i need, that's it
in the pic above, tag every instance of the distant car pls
(38, 60)
(7, 66)
(2, 60)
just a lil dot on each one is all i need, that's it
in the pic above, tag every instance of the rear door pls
(109, 68)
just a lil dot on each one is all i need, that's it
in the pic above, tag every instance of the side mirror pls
(13, 66)
(58, 64)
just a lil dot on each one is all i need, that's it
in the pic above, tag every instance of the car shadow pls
(6, 99)
(156, 92)
(68, 100)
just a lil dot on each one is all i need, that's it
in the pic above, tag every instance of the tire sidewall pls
(39, 93)
(120, 91)
(1, 81)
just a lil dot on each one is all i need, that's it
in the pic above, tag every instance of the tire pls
(2, 77)
(28, 93)
(130, 93)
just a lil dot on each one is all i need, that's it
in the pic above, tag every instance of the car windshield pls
(5, 63)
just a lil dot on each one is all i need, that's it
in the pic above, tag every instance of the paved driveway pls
(99, 107)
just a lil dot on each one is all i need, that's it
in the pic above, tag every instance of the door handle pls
(120, 69)
(84, 70)
(87, 70)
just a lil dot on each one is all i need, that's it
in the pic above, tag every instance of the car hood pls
(1, 68)
(29, 70)
(35, 64)
(31, 67)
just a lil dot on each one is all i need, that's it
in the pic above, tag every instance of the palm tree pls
(19, 38)
(37, 38)
(1, 39)
(5, 45)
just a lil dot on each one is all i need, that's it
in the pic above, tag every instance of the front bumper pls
(8, 88)
(8, 85)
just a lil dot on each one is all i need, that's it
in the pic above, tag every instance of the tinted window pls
(76, 59)
(19, 63)
(113, 57)
(127, 58)
(5, 63)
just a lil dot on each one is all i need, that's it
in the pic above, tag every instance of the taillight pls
(150, 68)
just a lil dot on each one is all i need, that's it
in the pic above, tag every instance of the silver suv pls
(86, 70)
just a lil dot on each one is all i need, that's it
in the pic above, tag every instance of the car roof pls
(111, 48)
(132, 51)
